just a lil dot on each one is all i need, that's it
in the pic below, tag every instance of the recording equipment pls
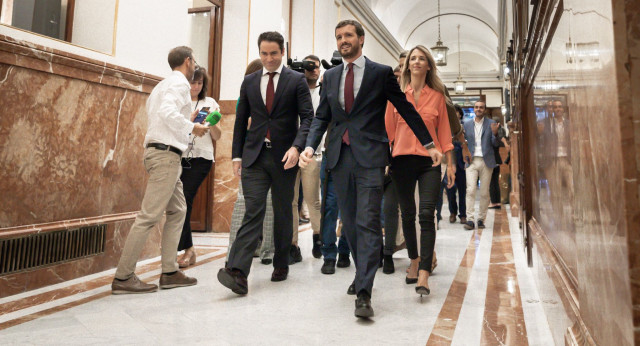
(336, 60)
(202, 114)
(301, 66)
(213, 118)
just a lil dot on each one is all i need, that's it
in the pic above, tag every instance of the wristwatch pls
(430, 146)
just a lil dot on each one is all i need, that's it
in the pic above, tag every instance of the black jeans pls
(193, 174)
(390, 212)
(494, 187)
(406, 171)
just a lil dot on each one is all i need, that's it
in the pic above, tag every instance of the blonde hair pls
(431, 79)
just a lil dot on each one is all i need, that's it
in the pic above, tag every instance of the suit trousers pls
(391, 211)
(494, 186)
(478, 169)
(265, 173)
(163, 193)
(359, 198)
(309, 177)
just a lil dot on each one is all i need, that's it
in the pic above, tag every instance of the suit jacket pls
(365, 122)
(292, 100)
(488, 141)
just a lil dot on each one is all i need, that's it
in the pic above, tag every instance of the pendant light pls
(440, 50)
(460, 85)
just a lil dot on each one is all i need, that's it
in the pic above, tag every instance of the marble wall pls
(585, 171)
(71, 134)
(226, 184)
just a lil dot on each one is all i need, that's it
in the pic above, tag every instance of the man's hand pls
(237, 168)
(436, 156)
(290, 158)
(466, 154)
(305, 157)
(199, 130)
(451, 175)
(494, 129)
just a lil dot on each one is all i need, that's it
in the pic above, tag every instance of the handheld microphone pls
(213, 118)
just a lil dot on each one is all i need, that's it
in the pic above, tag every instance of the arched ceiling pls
(414, 22)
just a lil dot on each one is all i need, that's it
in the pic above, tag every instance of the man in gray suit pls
(481, 137)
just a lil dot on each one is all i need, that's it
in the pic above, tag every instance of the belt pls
(267, 145)
(165, 147)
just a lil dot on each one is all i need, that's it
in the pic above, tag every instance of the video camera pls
(300, 66)
(336, 60)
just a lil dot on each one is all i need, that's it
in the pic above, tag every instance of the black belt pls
(165, 147)
(267, 145)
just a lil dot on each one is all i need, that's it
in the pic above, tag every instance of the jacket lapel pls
(335, 85)
(282, 85)
(367, 79)
(255, 87)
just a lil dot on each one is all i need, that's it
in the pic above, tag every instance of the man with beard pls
(353, 102)
(169, 111)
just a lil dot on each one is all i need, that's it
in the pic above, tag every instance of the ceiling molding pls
(450, 14)
(361, 10)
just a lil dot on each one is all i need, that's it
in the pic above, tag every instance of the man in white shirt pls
(170, 123)
(481, 137)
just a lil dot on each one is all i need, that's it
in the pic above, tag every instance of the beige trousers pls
(163, 193)
(478, 169)
(310, 179)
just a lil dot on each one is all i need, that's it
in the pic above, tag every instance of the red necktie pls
(348, 98)
(269, 98)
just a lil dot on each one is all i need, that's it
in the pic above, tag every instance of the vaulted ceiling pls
(414, 22)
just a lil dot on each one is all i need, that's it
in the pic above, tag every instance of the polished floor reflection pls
(481, 293)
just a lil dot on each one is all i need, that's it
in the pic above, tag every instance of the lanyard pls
(477, 133)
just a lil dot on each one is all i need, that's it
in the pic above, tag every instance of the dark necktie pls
(348, 98)
(269, 98)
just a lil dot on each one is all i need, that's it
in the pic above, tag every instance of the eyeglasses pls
(194, 61)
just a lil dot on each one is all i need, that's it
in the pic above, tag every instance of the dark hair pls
(201, 73)
(178, 55)
(403, 54)
(312, 57)
(359, 28)
(484, 103)
(253, 67)
(396, 69)
(458, 109)
(272, 36)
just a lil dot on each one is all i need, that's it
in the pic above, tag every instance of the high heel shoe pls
(423, 290)
(187, 260)
(409, 280)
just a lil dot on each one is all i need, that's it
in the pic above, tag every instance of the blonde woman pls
(411, 163)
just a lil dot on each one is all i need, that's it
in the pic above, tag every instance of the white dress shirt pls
(477, 131)
(264, 81)
(358, 73)
(169, 112)
(315, 101)
(202, 146)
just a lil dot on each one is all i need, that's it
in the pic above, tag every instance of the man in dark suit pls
(266, 155)
(353, 101)
(480, 134)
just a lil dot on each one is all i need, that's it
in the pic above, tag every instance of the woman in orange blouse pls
(411, 162)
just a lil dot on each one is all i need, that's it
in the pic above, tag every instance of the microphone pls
(213, 118)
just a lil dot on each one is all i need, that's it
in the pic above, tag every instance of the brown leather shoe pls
(463, 220)
(234, 280)
(178, 279)
(452, 219)
(279, 274)
(131, 285)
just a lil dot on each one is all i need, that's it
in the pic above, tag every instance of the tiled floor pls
(481, 293)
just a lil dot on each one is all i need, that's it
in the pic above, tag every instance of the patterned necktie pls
(269, 98)
(348, 98)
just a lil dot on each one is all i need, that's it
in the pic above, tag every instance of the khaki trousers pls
(478, 169)
(310, 179)
(163, 193)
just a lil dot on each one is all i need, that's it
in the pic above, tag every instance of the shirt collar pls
(278, 71)
(481, 122)
(358, 62)
(181, 76)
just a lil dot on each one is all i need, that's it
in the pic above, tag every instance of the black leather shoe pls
(317, 244)
(481, 224)
(422, 290)
(388, 267)
(352, 289)
(234, 280)
(303, 220)
(295, 255)
(343, 260)
(279, 274)
(329, 266)
(363, 305)
(266, 261)
(469, 225)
